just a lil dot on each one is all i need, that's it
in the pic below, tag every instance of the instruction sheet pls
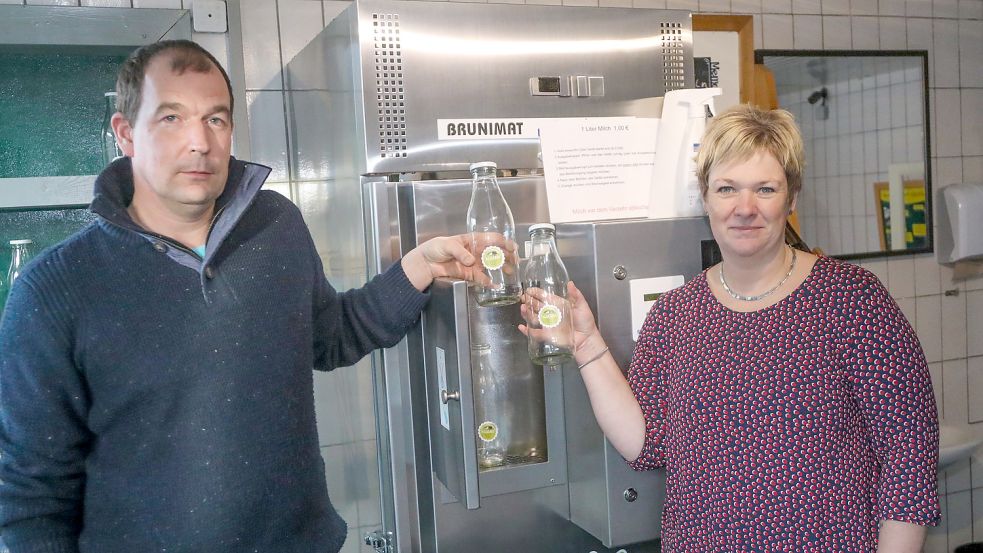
(598, 168)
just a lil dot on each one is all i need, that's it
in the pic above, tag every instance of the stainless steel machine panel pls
(420, 62)
(607, 498)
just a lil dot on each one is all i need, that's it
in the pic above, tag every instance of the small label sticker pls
(493, 258)
(550, 316)
(487, 431)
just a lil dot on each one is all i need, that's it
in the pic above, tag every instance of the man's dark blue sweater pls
(151, 400)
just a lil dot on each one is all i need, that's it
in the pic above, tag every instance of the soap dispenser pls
(700, 108)
(675, 190)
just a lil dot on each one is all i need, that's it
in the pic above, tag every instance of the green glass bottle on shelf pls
(20, 254)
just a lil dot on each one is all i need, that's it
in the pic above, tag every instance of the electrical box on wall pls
(208, 16)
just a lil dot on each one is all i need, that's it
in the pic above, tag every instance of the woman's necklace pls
(762, 295)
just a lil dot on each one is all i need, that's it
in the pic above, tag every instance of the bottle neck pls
(18, 254)
(484, 177)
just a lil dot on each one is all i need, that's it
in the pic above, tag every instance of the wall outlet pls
(208, 16)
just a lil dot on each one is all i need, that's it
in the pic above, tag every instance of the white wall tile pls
(974, 370)
(929, 326)
(806, 6)
(759, 31)
(960, 525)
(300, 22)
(948, 137)
(865, 34)
(945, 8)
(652, 4)
(691, 5)
(974, 323)
(836, 32)
(978, 512)
(920, 35)
(945, 53)
(927, 277)
(901, 275)
(836, 7)
(332, 8)
(165, 4)
(745, 6)
(776, 6)
(587, 3)
(16, 2)
(261, 45)
(52, 2)
(863, 7)
(970, 9)
(807, 32)
(268, 131)
(893, 33)
(918, 8)
(971, 52)
(976, 464)
(777, 31)
(892, 7)
(953, 326)
(972, 127)
(950, 171)
(954, 393)
(973, 168)
(614, 3)
(715, 6)
(106, 3)
(935, 373)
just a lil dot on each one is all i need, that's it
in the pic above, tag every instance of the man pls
(155, 377)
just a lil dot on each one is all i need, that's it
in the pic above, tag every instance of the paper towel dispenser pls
(960, 220)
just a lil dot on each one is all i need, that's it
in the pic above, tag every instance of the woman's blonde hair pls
(744, 130)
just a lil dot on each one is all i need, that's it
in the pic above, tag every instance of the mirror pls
(866, 189)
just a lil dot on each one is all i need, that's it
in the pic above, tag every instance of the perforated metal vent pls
(389, 85)
(672, 55)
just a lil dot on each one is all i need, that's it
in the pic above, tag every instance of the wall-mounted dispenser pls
(960, 229)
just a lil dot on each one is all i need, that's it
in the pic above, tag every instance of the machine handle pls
(446, 396)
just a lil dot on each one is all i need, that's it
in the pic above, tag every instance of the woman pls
(786, 394)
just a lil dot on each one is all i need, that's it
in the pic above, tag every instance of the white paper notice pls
(598, 168)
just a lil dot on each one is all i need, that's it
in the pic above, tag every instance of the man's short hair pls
(744, 130)
(185, 55)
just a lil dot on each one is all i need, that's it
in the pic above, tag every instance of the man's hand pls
(444, 256)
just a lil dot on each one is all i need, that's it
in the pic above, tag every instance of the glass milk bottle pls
(490, 409)
(110, 149)
(20, 254)
(489, 218)
(550, 330)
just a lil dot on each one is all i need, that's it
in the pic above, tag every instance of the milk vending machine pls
(386, 109)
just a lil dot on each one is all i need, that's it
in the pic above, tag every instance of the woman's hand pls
(587, 339)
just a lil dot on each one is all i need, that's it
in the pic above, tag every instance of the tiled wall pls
(873, 117)
(948, 314)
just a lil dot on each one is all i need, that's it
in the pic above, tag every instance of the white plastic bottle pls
(699, 106)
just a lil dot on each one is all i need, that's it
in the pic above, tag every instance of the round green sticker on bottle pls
(550, 316)
(487, 431)
(493, 258)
